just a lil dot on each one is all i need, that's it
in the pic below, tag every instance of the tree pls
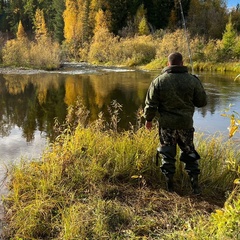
(235, 14)
(103, 40)
(21, 34)
(143, 28)
(58, 22)
(172, 23)
(207, 18)
(158, 12)
(3, 16)
(40, 25)
(76, 28)
(229, 39)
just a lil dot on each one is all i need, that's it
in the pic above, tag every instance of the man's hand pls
(148, 125)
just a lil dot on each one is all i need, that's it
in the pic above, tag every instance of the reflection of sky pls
(14, 146)
(211, 123)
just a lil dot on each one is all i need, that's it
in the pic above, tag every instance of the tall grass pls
(94, 182)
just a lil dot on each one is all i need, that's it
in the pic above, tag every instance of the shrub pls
(101, 49)
(172, 42)
(43, 54)
(16, 53)
(138, 50)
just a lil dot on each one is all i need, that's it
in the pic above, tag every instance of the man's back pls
(176, 93)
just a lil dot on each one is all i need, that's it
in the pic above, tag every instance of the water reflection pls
(31, 102)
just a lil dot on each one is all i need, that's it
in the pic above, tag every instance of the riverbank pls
(152, 66)
(94, 182)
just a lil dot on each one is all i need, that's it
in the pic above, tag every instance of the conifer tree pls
(102, 40)
(172, 24)
(141, 12)
(58, 22)
(40, 25)
(76, 29)
(21, 34)
(229, 38)
(101, 22)
(70, 18)
(143, 28)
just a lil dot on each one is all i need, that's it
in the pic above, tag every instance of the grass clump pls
(94, 182)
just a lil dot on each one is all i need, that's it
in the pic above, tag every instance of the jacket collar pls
(175, 69)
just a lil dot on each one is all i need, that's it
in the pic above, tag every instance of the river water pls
(31, 100)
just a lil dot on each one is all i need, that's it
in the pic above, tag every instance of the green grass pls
(94, 182)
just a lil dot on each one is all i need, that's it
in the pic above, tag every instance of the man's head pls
(175, 59)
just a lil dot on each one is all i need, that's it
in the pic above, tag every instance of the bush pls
(16, 53)
(172, 42)
(43, 54)
(136, 51)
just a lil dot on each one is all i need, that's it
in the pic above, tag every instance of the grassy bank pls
(198, 66)
(93, 182)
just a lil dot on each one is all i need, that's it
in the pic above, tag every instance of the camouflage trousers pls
(169, 139)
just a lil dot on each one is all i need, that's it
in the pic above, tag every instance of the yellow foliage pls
(172, 42)
(233, 126)
(21, 34)
(40, 25)
(100, 22)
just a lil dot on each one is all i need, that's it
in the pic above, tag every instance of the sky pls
(232, 3)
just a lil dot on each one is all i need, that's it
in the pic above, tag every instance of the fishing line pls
(186, 34)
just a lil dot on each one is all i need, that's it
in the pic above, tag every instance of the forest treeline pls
(42, 33)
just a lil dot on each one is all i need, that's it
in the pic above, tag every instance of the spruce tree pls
(229, 39)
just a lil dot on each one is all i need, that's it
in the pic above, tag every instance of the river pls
(31, 100)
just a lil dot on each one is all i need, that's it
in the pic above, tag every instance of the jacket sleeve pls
(200, 96)
(152, 101)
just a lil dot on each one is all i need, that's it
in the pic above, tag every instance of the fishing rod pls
(237, 77)
(186, 34)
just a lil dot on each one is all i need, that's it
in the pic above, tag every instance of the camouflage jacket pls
(174, 94)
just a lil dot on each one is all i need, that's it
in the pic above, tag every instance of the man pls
(175, 94)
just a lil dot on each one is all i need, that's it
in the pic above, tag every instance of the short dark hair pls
(175, 58)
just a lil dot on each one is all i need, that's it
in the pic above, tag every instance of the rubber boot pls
(195, 184)
(170, 185)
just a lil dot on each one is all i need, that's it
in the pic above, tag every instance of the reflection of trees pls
(32, 102)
